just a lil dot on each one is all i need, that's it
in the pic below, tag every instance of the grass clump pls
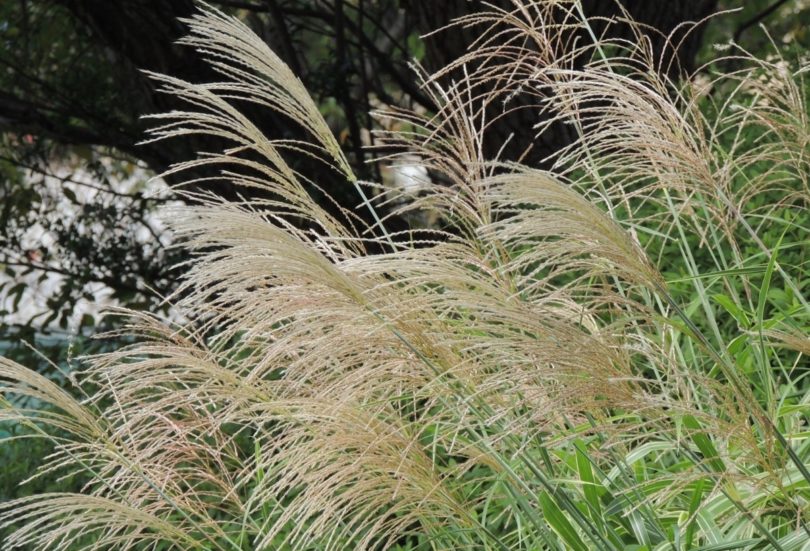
(607, 355)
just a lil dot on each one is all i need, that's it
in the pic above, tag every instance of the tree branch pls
(286, 38)
(22, 117)
(258, 8)
(757, 18)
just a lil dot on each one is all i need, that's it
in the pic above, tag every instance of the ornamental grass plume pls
(582, 358)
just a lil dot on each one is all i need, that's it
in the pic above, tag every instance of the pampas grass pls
(528, 375)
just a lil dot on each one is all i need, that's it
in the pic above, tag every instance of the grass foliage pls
(608, 355)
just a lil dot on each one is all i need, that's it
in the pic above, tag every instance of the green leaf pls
(560, 524)
(731, 545)
(730, 307)
(589, 485)
(694, 503)
(17, 292)
(70, 194)
(721, 273)
(704, 443)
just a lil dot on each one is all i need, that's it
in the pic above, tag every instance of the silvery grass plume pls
(525, 377)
